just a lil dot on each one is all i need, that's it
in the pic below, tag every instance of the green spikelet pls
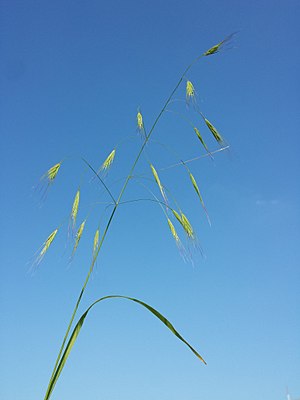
(214, 131)
(52, 172)
(46, 246)
(173, 231)
(189, 91)
(96, 244)
(75, 206)
(157, 180)
(217, 47)
(78, 237)
(201, 139)
(140, 123)
(177, 216)
(187, 226)
(195, 185)
(108, 161)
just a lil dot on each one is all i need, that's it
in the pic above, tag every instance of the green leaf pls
(78, 327)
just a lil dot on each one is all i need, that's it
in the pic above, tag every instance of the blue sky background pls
(72, 76)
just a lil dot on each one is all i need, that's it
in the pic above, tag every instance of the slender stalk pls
(116, 204)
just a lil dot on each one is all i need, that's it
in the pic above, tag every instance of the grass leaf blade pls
(79, 325)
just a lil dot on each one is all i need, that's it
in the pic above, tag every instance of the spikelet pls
(187, 226)
(217, 47)
(177, 216)
(186, 257)
(214, 131)
(96, 244)
(185, 223)
(173, 231)
(157, 180)
(199, 195)
(108, 162)
(201, 139)
(47, 179)
(45, 246)
(75, 208)
(78, 237)
(52, 172)
(190, 91)
(140, 123)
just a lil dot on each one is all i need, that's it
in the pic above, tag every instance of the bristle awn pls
(77, 238)
(45, 247)
(157, 180)
(217, 47)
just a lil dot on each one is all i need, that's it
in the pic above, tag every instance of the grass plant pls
(175, 216)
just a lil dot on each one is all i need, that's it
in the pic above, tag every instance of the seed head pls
(96, 244)
(50, 175)
(217, 47)
(45, 246)
(177, 216)
(140, 123)
(190, 91)
(78, 237)
(108, 162)
(157, 180)
(173, 231)
(193, 180)
(75, 208)
(201, 139)
(214, 131)
(185, 223)
(187, 226)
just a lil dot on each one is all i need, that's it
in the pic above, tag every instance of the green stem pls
(117, 202)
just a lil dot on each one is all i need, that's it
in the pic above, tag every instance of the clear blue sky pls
(72, 76)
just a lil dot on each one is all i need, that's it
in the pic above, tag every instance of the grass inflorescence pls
(171, 212)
